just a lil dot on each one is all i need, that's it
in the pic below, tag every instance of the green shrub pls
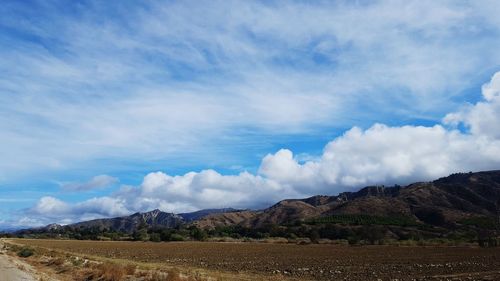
(364, 220)
(353, 240)
(25, 252)
(176, 237)
(155, 237)
(199, 234)
(481, 222)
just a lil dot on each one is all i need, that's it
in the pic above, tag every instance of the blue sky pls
(108, 108)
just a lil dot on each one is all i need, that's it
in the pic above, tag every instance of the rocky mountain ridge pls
(443, 201)
(440, 202)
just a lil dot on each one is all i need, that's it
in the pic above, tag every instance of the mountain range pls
(442, 202)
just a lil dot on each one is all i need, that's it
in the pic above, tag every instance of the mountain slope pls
(130, 223)
(189, 217)
(155, 218)
(443, 201)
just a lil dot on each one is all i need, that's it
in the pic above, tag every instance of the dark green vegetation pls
(25, 252)
(364, 220)
(355, 229)
(461, 208)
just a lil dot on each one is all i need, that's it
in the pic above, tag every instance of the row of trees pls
(182, 233)
(371, 234)
(353, 229)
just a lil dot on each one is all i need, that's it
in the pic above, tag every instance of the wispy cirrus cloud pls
(157, 79)
(96, 182)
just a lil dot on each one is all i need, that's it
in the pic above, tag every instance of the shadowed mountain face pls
(441, 202)
(193, 216)
(130, 223)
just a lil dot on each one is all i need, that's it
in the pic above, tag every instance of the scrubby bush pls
(176, 237)
(155, 237)
(111, 272)
(353, 219)
(353, 240)
(314, 236)
(199, 234)
(25, 252)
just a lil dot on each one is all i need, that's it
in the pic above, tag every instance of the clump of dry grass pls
(103, 272)
(173, 275)
(196, 276)
(130, 269)
(111, 272)
(55, 261)
(157, 275)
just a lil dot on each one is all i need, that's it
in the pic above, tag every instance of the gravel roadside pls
(10, 268)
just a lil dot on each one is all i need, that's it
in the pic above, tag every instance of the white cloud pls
(96, 182)
(49, 205)
(207, 189)
(482, 118)
(383, 154)
(49, 209)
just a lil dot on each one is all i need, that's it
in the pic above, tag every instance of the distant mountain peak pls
(153, 213)
(53, 226)
(153, 218)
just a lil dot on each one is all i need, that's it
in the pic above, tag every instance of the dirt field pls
(317, 262)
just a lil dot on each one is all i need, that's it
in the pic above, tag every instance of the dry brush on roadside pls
(66, 266)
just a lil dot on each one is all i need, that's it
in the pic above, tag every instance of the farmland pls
(317, 262)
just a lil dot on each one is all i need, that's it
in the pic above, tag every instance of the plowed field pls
(317, 262)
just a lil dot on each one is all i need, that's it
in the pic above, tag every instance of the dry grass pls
(85, 267)
(55, 261)
(21, 267)
(103, 272)
(111, 272)
(130, 269)
(158, 276)
(173, 275)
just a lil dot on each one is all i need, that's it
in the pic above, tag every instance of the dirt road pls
(10, 268)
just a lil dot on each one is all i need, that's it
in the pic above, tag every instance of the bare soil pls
(316, 262)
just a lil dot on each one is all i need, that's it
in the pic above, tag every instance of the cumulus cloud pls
(482, 119)
(50, 209)
(384, 154)
(205, 189)
(378, 155)
(96, 182)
